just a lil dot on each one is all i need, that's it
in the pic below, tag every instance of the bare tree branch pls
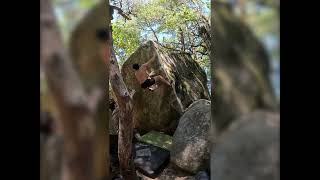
(120, 11)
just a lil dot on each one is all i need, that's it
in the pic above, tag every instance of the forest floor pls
(163, 171)
(169, 173)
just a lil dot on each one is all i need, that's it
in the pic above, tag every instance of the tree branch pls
(153, 31)
(170, 48)
(120, 11)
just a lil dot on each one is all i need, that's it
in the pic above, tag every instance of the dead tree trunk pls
(124, 99)
(205, 30)
(75, 108)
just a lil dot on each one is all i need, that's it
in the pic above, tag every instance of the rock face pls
(191, 147)
(249, 149)
(241, 68)
(162, 108)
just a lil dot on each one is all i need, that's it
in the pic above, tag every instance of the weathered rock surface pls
(191, 146)
(160, 109)
(241, 68)
(249, 149)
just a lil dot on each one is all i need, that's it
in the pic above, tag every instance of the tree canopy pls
(172, 24)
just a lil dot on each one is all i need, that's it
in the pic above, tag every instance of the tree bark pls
(182, 39)
(75, 108)
(205, 30)
(124, 99)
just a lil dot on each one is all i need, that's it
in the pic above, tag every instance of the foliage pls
(172, 24)
(125, 38)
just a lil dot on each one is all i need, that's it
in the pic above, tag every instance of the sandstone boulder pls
(161, 109)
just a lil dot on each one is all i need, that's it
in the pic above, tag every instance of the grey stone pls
(249, 149)
(191, 146)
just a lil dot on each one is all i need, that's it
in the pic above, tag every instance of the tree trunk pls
(50, 157)
(205, 30)
(124, 99)
(183, 48)
(75, 108)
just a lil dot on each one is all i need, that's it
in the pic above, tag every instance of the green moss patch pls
(158, 139)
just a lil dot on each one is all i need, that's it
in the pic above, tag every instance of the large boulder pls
(249, 149)
(161, 109)
(190, 148)
(241, 68)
